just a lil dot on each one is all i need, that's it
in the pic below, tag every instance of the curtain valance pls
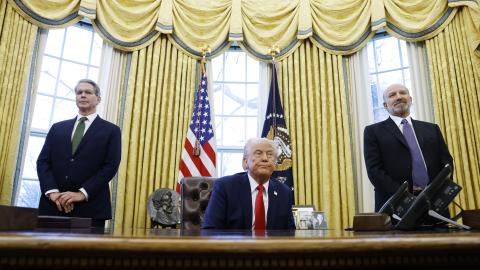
(338, 26)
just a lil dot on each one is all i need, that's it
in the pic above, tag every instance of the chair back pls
(195, 193)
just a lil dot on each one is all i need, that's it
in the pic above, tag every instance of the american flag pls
(198, 154)
(275, 128)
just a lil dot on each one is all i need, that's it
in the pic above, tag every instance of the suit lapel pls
(390, 125)
(272, 202)
(246, 200)
(68, 134)
(417, 128)
(94, 128)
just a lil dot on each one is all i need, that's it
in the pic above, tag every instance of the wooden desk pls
(160, 249)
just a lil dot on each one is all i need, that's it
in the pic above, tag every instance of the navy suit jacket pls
(388, 159)
(92, 166)
(230, 205)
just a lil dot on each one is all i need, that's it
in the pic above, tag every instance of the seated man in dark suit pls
(80, 156)
(251, 200)
(402, 149)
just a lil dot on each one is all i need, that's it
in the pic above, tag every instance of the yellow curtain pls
(17, 40)
(313, 91)
(340, 27)
(455, 76)
(159, 102)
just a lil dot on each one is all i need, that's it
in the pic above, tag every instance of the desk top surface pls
(174, 240)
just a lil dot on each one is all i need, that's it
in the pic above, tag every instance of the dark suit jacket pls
(388, 158)
(92, 166)
(230, 206)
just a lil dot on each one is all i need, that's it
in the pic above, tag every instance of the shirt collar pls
(90, 117)
(398, 120)
(254, 184)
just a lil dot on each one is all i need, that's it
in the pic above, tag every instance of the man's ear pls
(384, 105)
(244, 164)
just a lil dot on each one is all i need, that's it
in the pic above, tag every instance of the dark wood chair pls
(195, 193)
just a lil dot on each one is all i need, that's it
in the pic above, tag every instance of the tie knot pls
(82, 119)
(260, 188)
(404, 121)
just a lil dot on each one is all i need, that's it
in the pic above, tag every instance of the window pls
(388, 63)
(236, 93)
(70, 54)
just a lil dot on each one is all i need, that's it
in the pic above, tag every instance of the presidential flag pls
(275, 128)
(198, 154)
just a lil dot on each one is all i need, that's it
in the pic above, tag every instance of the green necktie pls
(77, 136)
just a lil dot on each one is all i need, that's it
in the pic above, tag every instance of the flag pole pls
(206, 49)
(273, 51)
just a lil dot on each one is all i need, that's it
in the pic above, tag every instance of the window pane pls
(232, 163)
(407, 82)
(233, 131)
(96, 50)
(93, 73)
(41, 113)
(219, 130)
(29, 194)
(77, 44)
(371, 58)
(219, 162)
(252, 127)
(35, 145)
(48, 75)
(236, 107)
(63, 110)
(54, 42)
(234, 99)
(386, 59)
(217, 68)
(70, 74)
(377, 94)
(392, 67)
(403, 46)
(235, 64)
(252, 99)
(218, 98)
(388, 78)
(253, 70)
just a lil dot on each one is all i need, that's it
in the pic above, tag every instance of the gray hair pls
(254, 141)
(91, 82)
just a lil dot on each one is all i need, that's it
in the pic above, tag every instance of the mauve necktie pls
(78, 134)
(419, 172)
(259, 210)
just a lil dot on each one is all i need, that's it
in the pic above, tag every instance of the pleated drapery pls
(17, 40)
(313, 86)
(339, 27)
(158, 106)
(455, 77)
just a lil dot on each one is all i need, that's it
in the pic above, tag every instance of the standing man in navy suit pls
(80, 156)
(392, 156)
(251, 200)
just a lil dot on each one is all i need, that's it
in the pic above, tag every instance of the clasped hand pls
(65, 200)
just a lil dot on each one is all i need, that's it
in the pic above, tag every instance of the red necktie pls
(259, 210)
